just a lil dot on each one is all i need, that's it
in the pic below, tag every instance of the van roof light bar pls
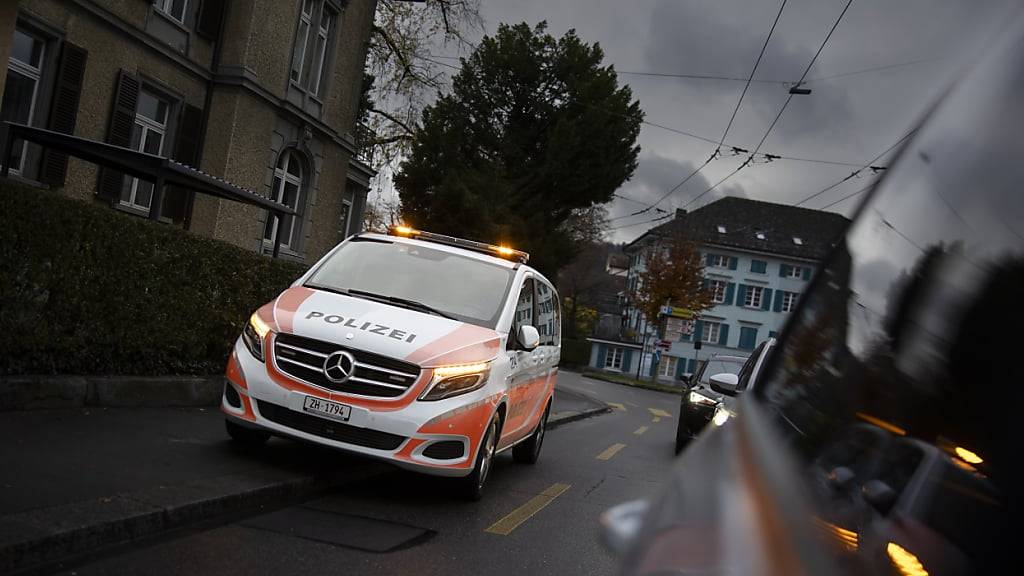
(482, 247)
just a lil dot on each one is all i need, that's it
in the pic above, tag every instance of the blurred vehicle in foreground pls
(712, 394)
(882, 437)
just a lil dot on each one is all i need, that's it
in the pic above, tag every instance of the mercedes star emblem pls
(339, 366)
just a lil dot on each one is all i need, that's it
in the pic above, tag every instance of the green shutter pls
(680, 367)
(602, 351)
(784, 270)
(758, 266)
(627, 355)
(741, 294)
(730, 291)
(723, 335)
(748, 338)
(766, 299)
(698, 328)
(707, 259)
(733, 262)
(779, 295)
(806, 273)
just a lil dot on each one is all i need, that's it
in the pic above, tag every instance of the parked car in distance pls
(712, 395)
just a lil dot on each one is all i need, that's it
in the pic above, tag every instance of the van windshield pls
(461, 287)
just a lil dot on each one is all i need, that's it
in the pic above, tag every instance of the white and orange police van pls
(432, 352)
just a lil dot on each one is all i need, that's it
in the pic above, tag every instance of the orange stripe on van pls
(234, 372)
(466, 344)
(287, 304)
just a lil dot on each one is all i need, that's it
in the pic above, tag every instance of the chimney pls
(680, 212)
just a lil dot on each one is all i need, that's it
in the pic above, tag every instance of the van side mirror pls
(725, 383)
(686, 377)
(528, 337)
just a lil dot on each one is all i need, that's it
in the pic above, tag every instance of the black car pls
(883, 436)
(712, 391)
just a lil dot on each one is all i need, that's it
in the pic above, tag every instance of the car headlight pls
(698, 398)
(451, 381)
(721, 416)
(254, 334)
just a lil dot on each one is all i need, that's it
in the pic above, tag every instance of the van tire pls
(527, 451)
(473, 485)
(246, 436)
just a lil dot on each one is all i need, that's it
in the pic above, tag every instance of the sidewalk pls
(78, 479)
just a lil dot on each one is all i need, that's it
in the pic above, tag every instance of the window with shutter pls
(211, 13)
(21, 89)
(64, 109)
(119, 132)
(186, 150)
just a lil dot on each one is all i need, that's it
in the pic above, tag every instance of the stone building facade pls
(262, 93)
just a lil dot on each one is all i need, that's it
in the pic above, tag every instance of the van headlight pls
(254, 334)
(454, 380)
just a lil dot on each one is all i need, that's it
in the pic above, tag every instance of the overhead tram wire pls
(739, 102)
(855, 173)
(781, 110)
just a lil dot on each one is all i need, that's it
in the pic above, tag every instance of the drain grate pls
(358, 532)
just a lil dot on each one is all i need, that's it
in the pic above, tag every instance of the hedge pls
(575, 353)
(88, 290)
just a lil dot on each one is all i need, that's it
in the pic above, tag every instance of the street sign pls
(676, 312)
(665, 345)
(696, 344)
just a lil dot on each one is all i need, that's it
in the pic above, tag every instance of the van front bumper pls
(438, 438)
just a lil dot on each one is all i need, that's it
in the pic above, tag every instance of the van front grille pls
(374, 374)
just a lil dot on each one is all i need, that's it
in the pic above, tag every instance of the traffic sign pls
(665, 345)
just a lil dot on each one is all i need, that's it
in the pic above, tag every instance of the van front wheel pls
(473, 485)
(527, 451)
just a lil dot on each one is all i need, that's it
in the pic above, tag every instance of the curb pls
(36, 538)
(557, 420)
(664, 389)
(54, 392)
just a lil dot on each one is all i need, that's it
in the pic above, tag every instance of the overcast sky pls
(846, 119)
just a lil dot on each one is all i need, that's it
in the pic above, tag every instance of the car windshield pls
(465, 288)
(720, 365)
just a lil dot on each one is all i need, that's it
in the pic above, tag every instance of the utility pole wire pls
(735, 109)
(853, 174)
(781, 110)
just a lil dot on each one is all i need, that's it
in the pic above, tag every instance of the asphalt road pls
(540, 519)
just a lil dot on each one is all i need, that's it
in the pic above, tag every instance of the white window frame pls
(753, 297)
(320, 59)
(789, 301)
(148, 125)
(34, 73)
(719, 261)
(796, 272)
(299, 54)
(277, 195)
(718, 288)
(613, 358)
(711, 332)
(166, 6)
(667, 366)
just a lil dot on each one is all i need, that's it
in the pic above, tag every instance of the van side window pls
(524, 308)
(546, 314)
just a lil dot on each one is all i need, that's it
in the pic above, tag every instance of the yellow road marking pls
(610, 451)
(656, 419)
(658, 412)
(506, 525)
(616, 405)
(640, 430)
(633, 405)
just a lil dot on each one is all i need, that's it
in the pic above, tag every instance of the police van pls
(432, 352)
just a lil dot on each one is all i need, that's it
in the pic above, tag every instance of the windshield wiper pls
(403, 302)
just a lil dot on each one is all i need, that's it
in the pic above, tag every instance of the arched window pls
(287, 190)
